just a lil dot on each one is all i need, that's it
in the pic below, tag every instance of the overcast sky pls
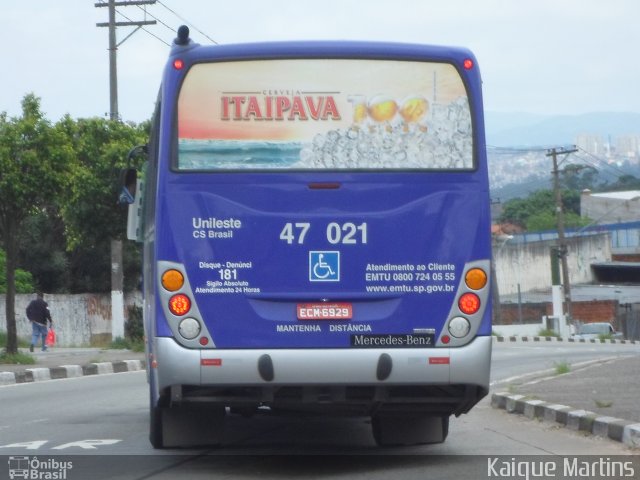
(537, 56)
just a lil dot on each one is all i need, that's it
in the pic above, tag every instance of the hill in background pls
(526, 130)
(518, 142)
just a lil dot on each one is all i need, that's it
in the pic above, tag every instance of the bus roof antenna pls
(183, 35)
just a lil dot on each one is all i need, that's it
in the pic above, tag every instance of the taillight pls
(476, 279)
(178, 64)
(179, 305)
(469, 303)
(189, 328)
(459, 327)
(467, 64)
(172, 280)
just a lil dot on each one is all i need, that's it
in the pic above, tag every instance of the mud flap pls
(189, 426)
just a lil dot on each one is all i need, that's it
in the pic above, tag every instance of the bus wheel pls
(390, 430)
(155, 427)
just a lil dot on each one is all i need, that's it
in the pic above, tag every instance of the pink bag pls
(51, 338)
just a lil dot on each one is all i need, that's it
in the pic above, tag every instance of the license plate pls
(325, 311)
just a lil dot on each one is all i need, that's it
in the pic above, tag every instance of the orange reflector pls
(172, 280)
(469, 303)
(179, 304)
(476, 279)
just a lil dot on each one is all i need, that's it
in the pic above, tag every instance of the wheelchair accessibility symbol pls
(324, 266)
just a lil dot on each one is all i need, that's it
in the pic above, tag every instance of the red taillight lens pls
(467, 64)
(179, 305)
(178, 64)
(469, 303)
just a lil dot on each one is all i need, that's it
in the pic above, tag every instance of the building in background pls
(628, 146)
(592, 143)
(610, 207)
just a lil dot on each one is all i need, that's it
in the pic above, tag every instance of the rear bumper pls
(447, 379)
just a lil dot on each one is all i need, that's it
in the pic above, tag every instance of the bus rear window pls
(324, 114)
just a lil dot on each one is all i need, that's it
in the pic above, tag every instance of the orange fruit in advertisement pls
(414, 108)
(382, 108)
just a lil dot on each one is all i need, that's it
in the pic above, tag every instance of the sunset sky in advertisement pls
(293, 100)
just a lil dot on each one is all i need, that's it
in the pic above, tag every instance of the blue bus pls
(316, 228)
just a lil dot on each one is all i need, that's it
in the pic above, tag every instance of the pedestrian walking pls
(38, 314)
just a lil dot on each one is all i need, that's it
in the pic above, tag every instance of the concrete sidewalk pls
(598, 397)
(58, 363)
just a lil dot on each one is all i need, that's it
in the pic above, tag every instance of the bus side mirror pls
(131, 196)
(129, 177)
(128, 186)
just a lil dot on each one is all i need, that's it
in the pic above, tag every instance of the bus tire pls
(155, 427)
(399, 430)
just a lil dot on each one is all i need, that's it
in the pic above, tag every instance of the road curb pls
(30, 375)
(585, 421)
(526, 338)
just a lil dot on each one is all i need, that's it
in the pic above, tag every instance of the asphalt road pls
(512, 363)
(112, 411)
(107, 415)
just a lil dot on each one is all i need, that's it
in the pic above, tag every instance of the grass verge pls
(16, 358)
(127, 344)
(562, 367)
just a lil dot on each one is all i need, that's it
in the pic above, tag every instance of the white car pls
(588, 331)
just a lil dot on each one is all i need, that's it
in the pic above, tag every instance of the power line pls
(138, 3)
(188, 22)
(604, 162)
(113, 45)
(144, 29)
(514, 150)
(172, 29)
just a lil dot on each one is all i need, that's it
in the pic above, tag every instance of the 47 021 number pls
(347, 233)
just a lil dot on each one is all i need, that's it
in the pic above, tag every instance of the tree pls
(66, 246)
(548, 220)
(34, 162)
(43, 252)
(91, 215)
(577, 177)
(625, 182)
(24, 279)
(519, 210)
(538, 211)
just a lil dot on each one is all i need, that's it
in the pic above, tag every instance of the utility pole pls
(113, 45)
(562, 242)
(117, 293)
